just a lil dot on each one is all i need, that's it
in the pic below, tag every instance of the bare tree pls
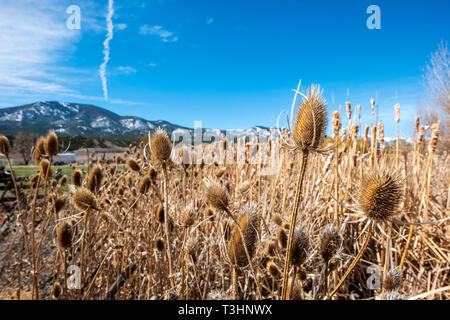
(23, 143)
(437, 82)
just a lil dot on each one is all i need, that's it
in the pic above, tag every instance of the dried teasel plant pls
(308, 131)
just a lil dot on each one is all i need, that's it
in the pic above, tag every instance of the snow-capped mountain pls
(75, 119)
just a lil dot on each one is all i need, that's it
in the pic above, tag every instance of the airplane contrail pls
(109, 36)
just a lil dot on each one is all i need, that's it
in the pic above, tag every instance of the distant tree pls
(436, 76)
(23, 143)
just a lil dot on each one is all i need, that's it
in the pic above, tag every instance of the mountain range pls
(76, 119)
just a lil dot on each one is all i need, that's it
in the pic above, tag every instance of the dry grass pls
(155, 231)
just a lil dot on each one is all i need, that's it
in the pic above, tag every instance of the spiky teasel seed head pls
(39, 150)
(144, 184)
(5, 147)
(271, 246)
(151, 172)
(132, 165)
(159, 244)
(329, 242)
(94, 179)
(60, 203)
(161, 146)
(83, 200)
(249, 223)
(62, 181)
(285, 225)
(393, 280)
(188, 218)
(51, 144)
(77, 178)
(282, 238)
(277, 219)
(273, 270)
(209, 212)
(45, 169)
(64, 235)
(310, 123)
(300, 247)
(380, 194)
(216, 195)
(33, 181)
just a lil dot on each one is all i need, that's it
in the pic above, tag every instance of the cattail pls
(132, 165)
(417, 124)
(64, 235)
(60, 203)
(397, 113)
(117, 159)
(282, 238)
(434, 137)
(348, 106)
(160, 145)
(300, 246)
(83, 200)
(249, 223)
(329, 242)
(77, 178)
(39, 151)
(51, 144)
(366, 133)
(5, 147)
(273, 270)
(144, 184)
(310, 121)
(94, 180)
(45, 169)
(420, 135)
(159, 213)
(393, 280)
(381, 133)
(277, 219)
(372, 103)
(380, 194)
(355, 130)
(159, 244)
(216, 195)
(336, 123)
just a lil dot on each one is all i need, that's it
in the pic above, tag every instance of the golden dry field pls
(346, 217)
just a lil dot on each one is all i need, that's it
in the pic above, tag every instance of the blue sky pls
(231, 64)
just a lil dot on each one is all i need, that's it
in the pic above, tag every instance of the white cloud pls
(120, 26)
(165, 35)
(152, 64)
(33, 39)
(126, 69)
(209, 21)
